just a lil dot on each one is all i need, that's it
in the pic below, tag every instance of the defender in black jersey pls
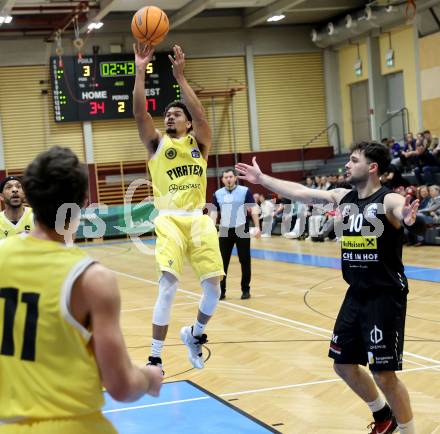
(370, 324)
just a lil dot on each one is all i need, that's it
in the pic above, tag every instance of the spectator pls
(427, 165)
(427, 138)
(409, 143)
(317, 181)
(310, 183)
(423, 196)
(392, 178)
(267, 211)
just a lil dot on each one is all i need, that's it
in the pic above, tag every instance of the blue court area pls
(183, 407)
(411, 271)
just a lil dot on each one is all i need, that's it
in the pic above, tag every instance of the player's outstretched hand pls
(252, 173)
(409, 211)
(178, 62)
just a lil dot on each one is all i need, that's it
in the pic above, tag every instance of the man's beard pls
(356, 180)
(171, 131)
(9, 203)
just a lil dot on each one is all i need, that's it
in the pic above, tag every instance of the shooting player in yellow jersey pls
(177, 164)
(59, 318)
(16, 217)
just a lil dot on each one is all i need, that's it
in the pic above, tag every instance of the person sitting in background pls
(427, 138)
(333, 180)
(435, 147)
(317, 181)
(325, 183)
(423, 196)
(410, 142)
(426, 216)
(257, 198)
(267, 211)
(310, 183)
(426, 164)
(392, 178)
(432, 210)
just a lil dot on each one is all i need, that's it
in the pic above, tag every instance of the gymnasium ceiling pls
(44, 17)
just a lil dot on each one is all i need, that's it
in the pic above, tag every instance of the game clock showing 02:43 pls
(101, 86)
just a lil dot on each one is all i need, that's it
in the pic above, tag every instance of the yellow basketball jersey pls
(25, 224)
(178, 173)
(47, 368)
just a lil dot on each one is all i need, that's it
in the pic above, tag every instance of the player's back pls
(47, 367)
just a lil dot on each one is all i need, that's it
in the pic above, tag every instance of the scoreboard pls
(101, 86)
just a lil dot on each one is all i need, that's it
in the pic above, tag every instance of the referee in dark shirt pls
(234, 227)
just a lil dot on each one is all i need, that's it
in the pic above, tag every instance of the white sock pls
(198, 328)
(407, 428)
(377, 404)
(156, 347)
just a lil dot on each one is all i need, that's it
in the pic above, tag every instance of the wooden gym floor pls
(268, 355)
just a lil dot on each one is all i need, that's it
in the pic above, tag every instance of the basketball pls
(150, 25)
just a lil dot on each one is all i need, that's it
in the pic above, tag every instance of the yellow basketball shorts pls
(192, 237)
(94, 423)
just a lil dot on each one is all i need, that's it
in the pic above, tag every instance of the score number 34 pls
(99, 107)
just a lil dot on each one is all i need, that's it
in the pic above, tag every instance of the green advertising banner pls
(118, 220)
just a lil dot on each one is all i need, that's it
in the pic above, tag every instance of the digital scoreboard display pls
(101, 86)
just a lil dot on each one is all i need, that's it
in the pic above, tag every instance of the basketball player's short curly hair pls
(53, 178)
(376, 153)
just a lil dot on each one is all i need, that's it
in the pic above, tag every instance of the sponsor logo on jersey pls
(195, 153)
(170, 153)
(187, 169)
(359, 243)
(371, 211)
(174, 188)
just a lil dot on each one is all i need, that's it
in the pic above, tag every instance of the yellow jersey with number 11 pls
(47, 367)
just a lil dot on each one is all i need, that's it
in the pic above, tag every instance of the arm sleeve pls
(215, 202)
(249, 198)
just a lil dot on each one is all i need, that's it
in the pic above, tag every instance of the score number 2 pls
(96, 107)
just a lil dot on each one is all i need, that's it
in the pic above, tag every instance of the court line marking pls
(255, 311)
(251, 391)
(152, 307)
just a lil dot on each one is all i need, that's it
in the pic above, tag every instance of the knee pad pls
(211, 294)
(167, 290)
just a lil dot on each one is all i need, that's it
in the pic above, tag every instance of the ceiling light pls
(331, 29)
(315, 36)
(2, 19)
(8, 19)
(368, 13)
(274, 18)
(93, 26)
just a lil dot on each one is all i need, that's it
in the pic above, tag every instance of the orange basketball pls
(150, 25)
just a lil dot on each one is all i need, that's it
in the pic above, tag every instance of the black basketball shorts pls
(370, 329)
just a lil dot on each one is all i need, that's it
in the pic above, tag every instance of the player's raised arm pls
(149, 135)
(202, 131)
(291, 190)
(95, 299)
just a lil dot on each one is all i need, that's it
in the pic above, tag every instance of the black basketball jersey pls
(371, 247)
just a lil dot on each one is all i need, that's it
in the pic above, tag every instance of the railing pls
(334, 126)
(404, 114)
